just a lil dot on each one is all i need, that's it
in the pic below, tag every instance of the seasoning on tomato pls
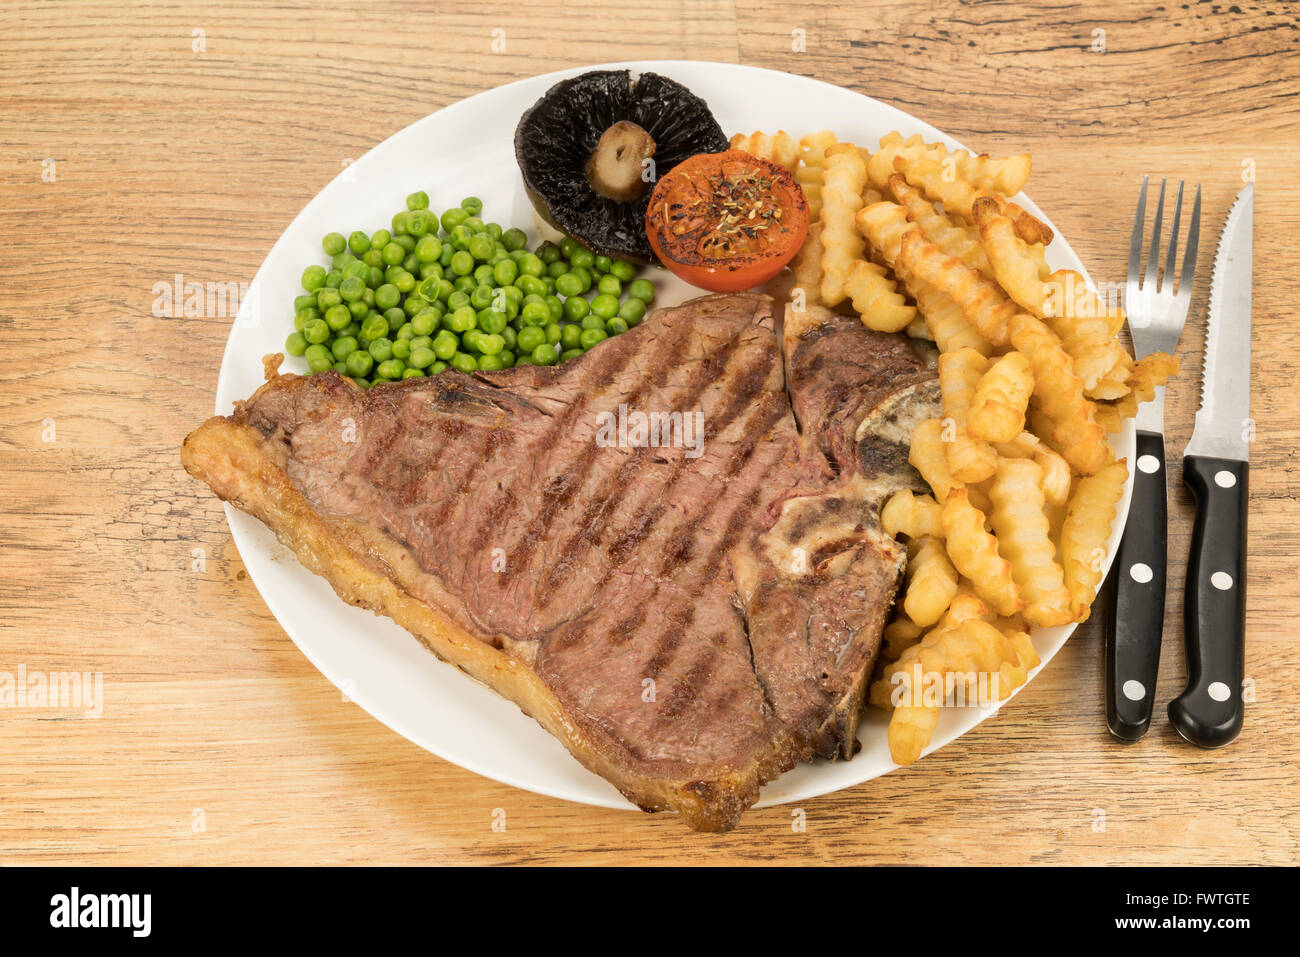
(726, 221)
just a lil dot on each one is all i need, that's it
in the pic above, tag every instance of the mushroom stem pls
(616, 166)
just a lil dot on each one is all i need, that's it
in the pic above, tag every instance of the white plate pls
(467, 149)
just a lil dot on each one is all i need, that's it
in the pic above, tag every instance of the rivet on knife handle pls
(1209, 712)
(1138, 611)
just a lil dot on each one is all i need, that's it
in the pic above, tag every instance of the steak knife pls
(1215, 468)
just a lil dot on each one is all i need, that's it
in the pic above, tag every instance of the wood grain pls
(173, 161)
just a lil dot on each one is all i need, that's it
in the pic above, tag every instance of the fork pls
(1156, 314)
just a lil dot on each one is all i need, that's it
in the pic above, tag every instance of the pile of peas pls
(452, 291)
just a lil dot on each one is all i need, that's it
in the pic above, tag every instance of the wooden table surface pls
(133, 147)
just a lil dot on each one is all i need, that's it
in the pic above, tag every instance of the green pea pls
(406, 242)
(336, 317)
(319, 361)
(302, 315)
(592, 336)
(557, 269)
(394, 317)
(423, 342)
(583, 276)
(610, 286)
(393, 254)
(418, 200)
(328, 297)
(333, 278)
(411, 263)
(623, 271)
(376, 278)
(472, 205)
(401, 348)
(352, 329)
(531, 265)
(568, 246)
(387, 296)
(568, 354)
(616, 326)
(460, 237)
(530, 337)
(535, 314)
(632, 311)
(530, 285)
(462, 319)
(333, 244)
(403, 280)
(343, 347)
(509, 335)
(313, 277)
(576, 308)
(351, 288)
(462, 263)
(583, 257)
(425, 323)
(552, 330)
(484, 275)
(490, 363)
(602, 263)
(359, 363)
(493, 230)
(307, 301)
(428, 249)
(605, 306)
(568, 285)
(400, 222)
(373, 257)
(507, 358)
(410, 373)
(444, 260)
(514, 239)
(464, 362)
(296, 344)
(342, 259)
(592, 321)
(421, 358)
(505, 271)
(642, 289)
(556, 307)
(571, 336)
(437, 367)
(381, 349)
(390, 369)
(358, 308)
(546, 354)
(453, 218)
(419, 222)
(492, 321)
(430, 269)
(481, 246)
(374, 328)
(444, 345)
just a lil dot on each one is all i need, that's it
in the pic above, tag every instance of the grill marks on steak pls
(697, 617)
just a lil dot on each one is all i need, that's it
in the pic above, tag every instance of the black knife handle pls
(1209, 711)
(1138, 610)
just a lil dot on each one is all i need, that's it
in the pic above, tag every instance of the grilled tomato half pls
(726, 221)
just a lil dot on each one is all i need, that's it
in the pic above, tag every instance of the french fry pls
(807, 268)
(953, 239)
(812, 158)
(912, 515)
(1087, 330)
(945, 319)
(931, 581)
(1024, 539)
(986, 307)
(1074, 428)
(969, 459)
(844, 179)
(927, 456)
(958, 196)
(1086, 529)
(1057, 476)
(883, 226)
(956, 656)
(974, 553)
(782, 148)
(899, 635)
(999, 174)
(997, 412)
(876, 298)
(1019, 267)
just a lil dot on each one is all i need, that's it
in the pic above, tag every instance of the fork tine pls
(1135, 244)
(1171, 262)
(1149, 286)
(1189, 257)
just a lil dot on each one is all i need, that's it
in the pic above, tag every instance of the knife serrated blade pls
(1223, 420)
